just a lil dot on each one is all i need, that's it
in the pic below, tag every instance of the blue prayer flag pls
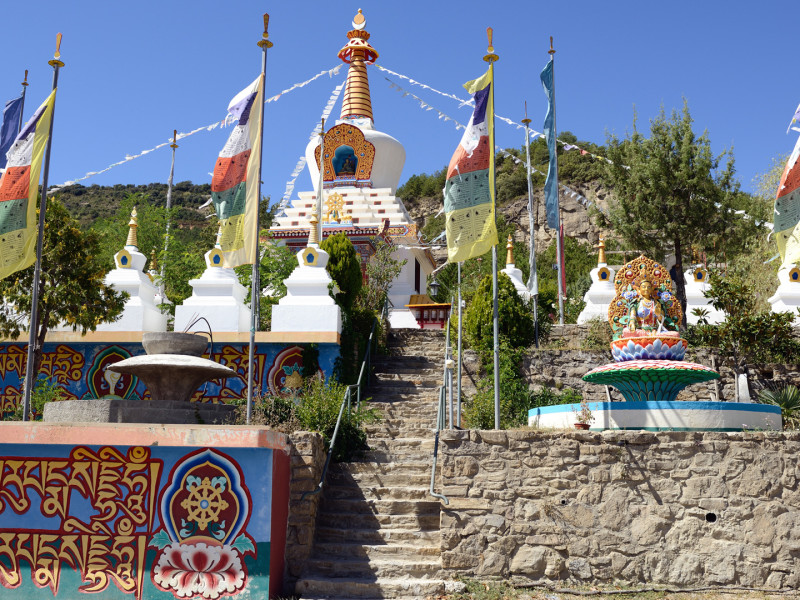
(551, 183)
(10, 127)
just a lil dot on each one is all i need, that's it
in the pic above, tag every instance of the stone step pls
(406, 508)
(416, 567)
(366, 492)
(376, 551)
(398, 430)
(407, 372)
(420, 477)
(368, 588)
(376, 536)
(349, 520)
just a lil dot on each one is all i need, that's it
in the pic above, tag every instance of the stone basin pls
(174, 342)
(172, 377)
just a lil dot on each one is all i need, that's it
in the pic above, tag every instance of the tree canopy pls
(669, 191)
(71, 286)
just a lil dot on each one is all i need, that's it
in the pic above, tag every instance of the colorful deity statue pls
(644, 303)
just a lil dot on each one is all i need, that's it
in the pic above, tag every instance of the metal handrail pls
(440, 414)
(346, 401)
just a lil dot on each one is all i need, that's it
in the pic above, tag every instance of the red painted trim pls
(281, 474)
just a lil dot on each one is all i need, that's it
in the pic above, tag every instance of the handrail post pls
(439, 424)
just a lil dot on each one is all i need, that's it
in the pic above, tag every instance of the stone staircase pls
(377, 533)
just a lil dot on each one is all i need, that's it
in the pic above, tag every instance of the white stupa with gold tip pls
(361, 170)
(515, 274)
(696, 285)
(307, 305)
(787, 296)
(601, 292)
(217, 296)
(141, 312)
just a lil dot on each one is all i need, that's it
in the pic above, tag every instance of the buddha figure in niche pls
(345, 162)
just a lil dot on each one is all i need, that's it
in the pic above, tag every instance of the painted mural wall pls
(140, 522)
(80, 369)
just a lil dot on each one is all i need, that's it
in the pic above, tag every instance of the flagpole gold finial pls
(509, 251)
(264, 42)
(526, 121)
(133, 224)
(174, 143)
(551, 51)
(56, 62)
(490, 55)
(25, 82)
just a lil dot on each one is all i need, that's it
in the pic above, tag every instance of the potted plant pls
(584, 416)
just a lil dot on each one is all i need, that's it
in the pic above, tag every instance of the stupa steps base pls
(367, 588)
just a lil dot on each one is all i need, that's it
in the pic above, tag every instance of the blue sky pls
(136, 71)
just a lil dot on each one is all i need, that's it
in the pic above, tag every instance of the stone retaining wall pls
(307, 458)
(672, 508)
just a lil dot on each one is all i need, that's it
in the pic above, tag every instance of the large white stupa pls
(361, 169)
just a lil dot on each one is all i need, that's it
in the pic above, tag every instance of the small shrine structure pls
(361, 169)
(141, 312)
(600, 294)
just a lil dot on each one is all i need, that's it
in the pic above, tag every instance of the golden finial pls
(601, 257)
(132, 224)
(264, 42)
(490, 56)
(551, 51)
(153, 262)
(526, 121)
(359, 21)
(25, 83)
(509, 251)
(56, 62)
(174, 139)
(312, 235)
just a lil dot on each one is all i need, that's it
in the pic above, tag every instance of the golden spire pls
(509, 251)
(358, 54)
(153, 262)
(601, 257)
(312, 234)
(132, 224)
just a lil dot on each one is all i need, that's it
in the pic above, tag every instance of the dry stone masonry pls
(674, 508)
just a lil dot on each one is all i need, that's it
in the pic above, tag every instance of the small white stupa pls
(787, 296)
(307, 305)
(217, 296)
(141, 312)
(696, 282)
(601, 292)
(514, 274)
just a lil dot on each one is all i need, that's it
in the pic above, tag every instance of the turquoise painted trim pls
(656, 405)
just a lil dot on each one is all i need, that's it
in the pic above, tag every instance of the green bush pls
(788, 398)
(514, 396)
(598, 336)
(344, 267)
(515, 318)
(44, 390)
(319, 409)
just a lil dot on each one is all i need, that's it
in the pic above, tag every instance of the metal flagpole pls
(22, 104)
(37, 271)
(533, 279)
(255, 287)
(559, 249)
(321, 191)
(460, 324)
(174, 146)
(491, 58)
